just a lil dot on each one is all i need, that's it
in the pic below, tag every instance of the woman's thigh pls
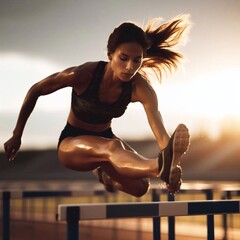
(84, 153)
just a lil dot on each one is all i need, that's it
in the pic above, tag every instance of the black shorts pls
(71, 131)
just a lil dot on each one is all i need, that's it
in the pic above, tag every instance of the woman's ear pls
(110, 56)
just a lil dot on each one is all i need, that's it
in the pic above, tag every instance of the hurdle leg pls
(156, 220)
(171, 220)
(227, 195)
(72, 223)
(210, 218)
(6, 215)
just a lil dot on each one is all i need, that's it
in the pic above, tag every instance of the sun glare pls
(210, 100)
(217, 94)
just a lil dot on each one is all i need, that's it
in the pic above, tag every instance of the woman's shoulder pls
(86, 68)
(84, 72)
(141, 82)
(141, 87)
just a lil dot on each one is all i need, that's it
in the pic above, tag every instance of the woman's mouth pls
(127, 75)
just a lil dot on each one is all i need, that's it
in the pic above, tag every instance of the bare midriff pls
(74, 121)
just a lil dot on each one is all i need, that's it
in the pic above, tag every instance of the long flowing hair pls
(158, 41)
(161, 56)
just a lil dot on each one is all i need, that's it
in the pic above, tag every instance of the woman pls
(101, 91)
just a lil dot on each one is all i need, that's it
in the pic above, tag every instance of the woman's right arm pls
(44, 87)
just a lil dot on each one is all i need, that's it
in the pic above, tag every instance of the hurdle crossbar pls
(148, 209)
(73, 213)
(6, 197)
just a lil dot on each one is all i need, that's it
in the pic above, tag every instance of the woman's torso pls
(94, 103)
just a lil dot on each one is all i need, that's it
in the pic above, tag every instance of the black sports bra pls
(87, 106)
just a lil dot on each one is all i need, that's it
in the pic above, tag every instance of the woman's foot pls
(169, 158)
(102, 178)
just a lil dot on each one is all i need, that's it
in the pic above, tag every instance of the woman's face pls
(126, 61)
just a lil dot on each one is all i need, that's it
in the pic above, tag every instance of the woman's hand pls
(12, 146)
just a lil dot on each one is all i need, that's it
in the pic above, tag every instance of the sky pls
(38, 38)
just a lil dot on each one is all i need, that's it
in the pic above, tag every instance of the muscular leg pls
(136, 188)
(88, 152)
(85, 153)
(113, 181)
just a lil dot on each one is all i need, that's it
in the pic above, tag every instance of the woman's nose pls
(129, 65)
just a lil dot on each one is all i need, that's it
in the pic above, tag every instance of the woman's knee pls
(115, 144)
(143, 188)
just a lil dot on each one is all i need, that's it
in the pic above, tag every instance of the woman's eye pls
(123, 58)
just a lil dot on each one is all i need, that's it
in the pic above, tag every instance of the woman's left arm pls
(144, 93)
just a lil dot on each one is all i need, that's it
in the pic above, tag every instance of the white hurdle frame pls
(73, 213)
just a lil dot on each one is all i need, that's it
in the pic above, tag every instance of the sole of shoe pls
(180, 145)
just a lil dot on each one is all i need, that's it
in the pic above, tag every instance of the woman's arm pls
(145, 94)
(44, 87)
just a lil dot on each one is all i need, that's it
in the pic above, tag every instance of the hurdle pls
(73, 213)
(6, 197)
(205, 188)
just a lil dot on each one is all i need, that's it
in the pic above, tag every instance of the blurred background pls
(41, 38)
(38, 38)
